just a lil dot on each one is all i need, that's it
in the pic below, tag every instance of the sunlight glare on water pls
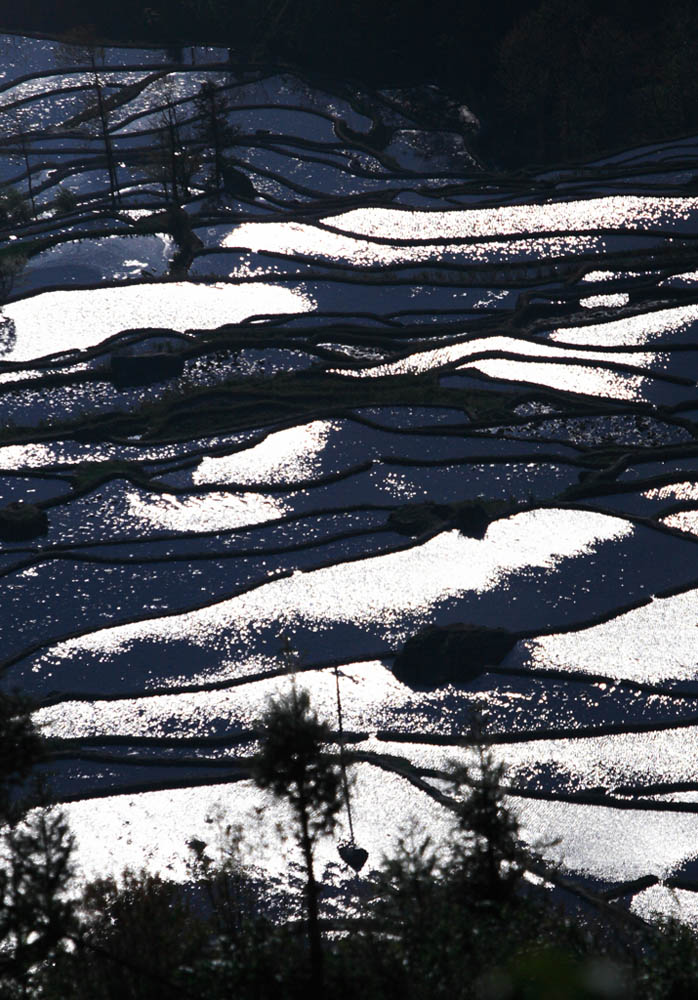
(212, 512)
(152, 829)
(59, 321)
(311, 241)
(284, 456)
(631, 330)
(589, 215)
(392, 592)
(656, 642)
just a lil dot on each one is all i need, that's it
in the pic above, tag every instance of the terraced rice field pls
(368, 319)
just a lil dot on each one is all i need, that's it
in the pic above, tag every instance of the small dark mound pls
(20, 521)
(471, 519)
(416, 519)
(142, 369)
(237, 183)
(451, 654)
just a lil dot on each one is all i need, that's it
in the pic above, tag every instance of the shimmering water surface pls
(356, 329)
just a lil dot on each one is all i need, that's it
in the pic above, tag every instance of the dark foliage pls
(14, 208)
(292, 764)
(37, 915)
(20, 749)
(66, 201)
(458, 922)
(549, 79)
(137, 937)
(214, 132)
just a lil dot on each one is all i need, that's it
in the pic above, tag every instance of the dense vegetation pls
(458, 920)
(549, 79)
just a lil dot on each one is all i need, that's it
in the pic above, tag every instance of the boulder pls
(20, 521)
(142, 369)
(451, 654)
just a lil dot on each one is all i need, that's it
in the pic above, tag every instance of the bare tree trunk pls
(311, 892)
(104, 121)
(173, 143)
(25, 154)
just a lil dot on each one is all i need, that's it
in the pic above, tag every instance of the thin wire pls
(342, 761)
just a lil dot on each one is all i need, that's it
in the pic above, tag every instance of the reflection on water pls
(681, 904)
(568, 378)
(284, 456)
(687, 490)
(149, 829)
(609, 301)
(653, 643)
(299, 238)
(685, 520)
(578, 378)
(369, 690)
(392, 292)
(591, 214)
(389, 595)
(631, 330)
(610, 843)
(176, 305)
(593, 276)
(213, 512)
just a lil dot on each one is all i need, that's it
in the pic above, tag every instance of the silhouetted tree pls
(21, 747)
(174, 159)
(12, 263)
(36, 911)
(488, 854)
(292, 764)
(36, 848)
(14, 137)
(13, 207)
(137, 935)
(213, 131)
(80, 47)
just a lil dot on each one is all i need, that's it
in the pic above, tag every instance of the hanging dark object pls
(355, 857)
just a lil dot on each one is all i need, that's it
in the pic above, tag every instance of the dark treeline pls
(460, 920)
(549, 79)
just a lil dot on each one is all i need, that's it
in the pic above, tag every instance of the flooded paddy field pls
(266, 414)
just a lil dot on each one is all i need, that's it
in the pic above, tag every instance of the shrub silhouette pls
(291, 763)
